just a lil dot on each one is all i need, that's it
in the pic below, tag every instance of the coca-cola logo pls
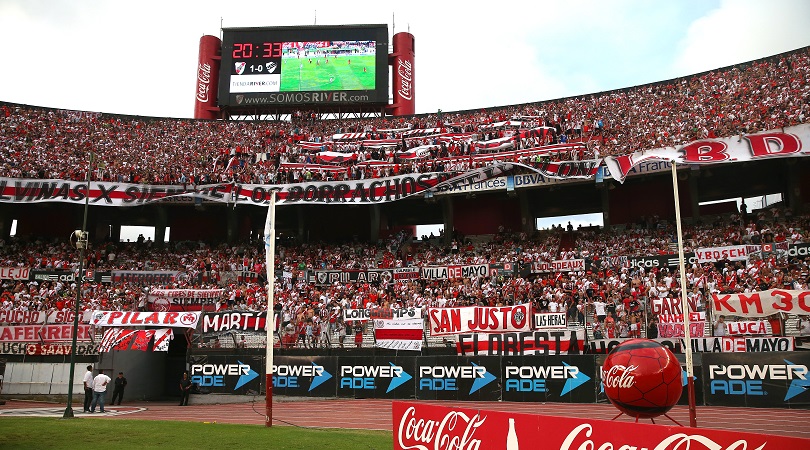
(455, 431)
(619, 376)
(203, 82)
(580, 438)
(405, 71)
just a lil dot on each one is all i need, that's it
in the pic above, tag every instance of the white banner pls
(350, 315)
(544, 321)
(145, 319)
(549, 342)
(789, 142)
(748, 327)
(731, 253)
(16, 317)
(399, 334)
(762, 304)
(709, 344)
(480, 319)
(14, 273)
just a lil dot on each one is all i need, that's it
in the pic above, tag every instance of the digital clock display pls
(329, 64)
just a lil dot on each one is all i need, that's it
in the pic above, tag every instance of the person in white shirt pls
(88, 388)
(99, 390)
(599, 309)
(804, 326)
(720, 327)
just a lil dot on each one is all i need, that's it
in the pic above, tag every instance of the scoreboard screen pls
(345, 64)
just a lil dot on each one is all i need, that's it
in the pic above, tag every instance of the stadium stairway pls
(568, 240)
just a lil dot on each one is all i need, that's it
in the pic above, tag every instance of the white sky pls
(140, 57)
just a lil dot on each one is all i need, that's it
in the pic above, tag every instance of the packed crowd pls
(54, 144)
(625, 292)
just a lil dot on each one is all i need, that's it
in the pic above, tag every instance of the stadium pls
(363, 307)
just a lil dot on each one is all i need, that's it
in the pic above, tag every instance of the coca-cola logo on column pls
(203, 82)
(405, 71)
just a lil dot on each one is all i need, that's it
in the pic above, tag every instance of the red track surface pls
(376, 414)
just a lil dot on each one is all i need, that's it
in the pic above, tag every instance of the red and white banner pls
(184, 299)
(15, 317)
(128, 339)
(544, 321)
(762, 304)
(42, 333)
(669, 306)
(37, 349)
(749, 327)
(552, 342)
(480, 319)
(563, 265)
(145, 319)
(789, 142)
(730, 253)
(14, 273)
(678, 318)
(709, 344)
(425, 426)
(350, 315)
(399, 334)
(675, 329)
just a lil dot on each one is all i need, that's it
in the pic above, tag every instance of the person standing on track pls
(118, 388)
(185, 389)
(88, 388)
(100, 383)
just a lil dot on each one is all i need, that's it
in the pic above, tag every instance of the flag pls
(162, 338)
(142, 340)
(110, 338)
(124, 340)
(399, 334)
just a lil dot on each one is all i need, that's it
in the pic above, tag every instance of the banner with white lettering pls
(184, 299)
(423, 426)
(350, 314)
(551, 342)
(544, 321)
(669, 306)
(150, 277)
(327, 277)
(145, 319)
(709, 344)
(762, 304)
(784, 143)
(563, 265)
(240, 321)
(399, 334)
(480, 319)
(42, 333)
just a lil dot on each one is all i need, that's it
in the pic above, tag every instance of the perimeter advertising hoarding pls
(376, 377)
(305, 376)
(326, 65)
(769, 380)
(423, 426)
(227, 374)
(458, 378)
(570, 379)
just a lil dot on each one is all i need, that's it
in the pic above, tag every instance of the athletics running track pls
(376, 414)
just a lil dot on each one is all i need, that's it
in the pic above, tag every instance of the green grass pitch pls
(299, 74)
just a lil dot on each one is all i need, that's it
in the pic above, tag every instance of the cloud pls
(743, 30)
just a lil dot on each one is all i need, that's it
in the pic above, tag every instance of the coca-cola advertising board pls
(421, 426)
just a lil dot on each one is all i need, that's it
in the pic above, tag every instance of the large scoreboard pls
(317, 65)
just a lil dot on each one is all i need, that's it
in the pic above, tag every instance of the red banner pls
(480, 319)
(42, 333)
(422, 426)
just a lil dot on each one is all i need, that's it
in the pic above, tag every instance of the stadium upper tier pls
(54, 144)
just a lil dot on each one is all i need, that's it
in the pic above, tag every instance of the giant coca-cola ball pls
(642, 378)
